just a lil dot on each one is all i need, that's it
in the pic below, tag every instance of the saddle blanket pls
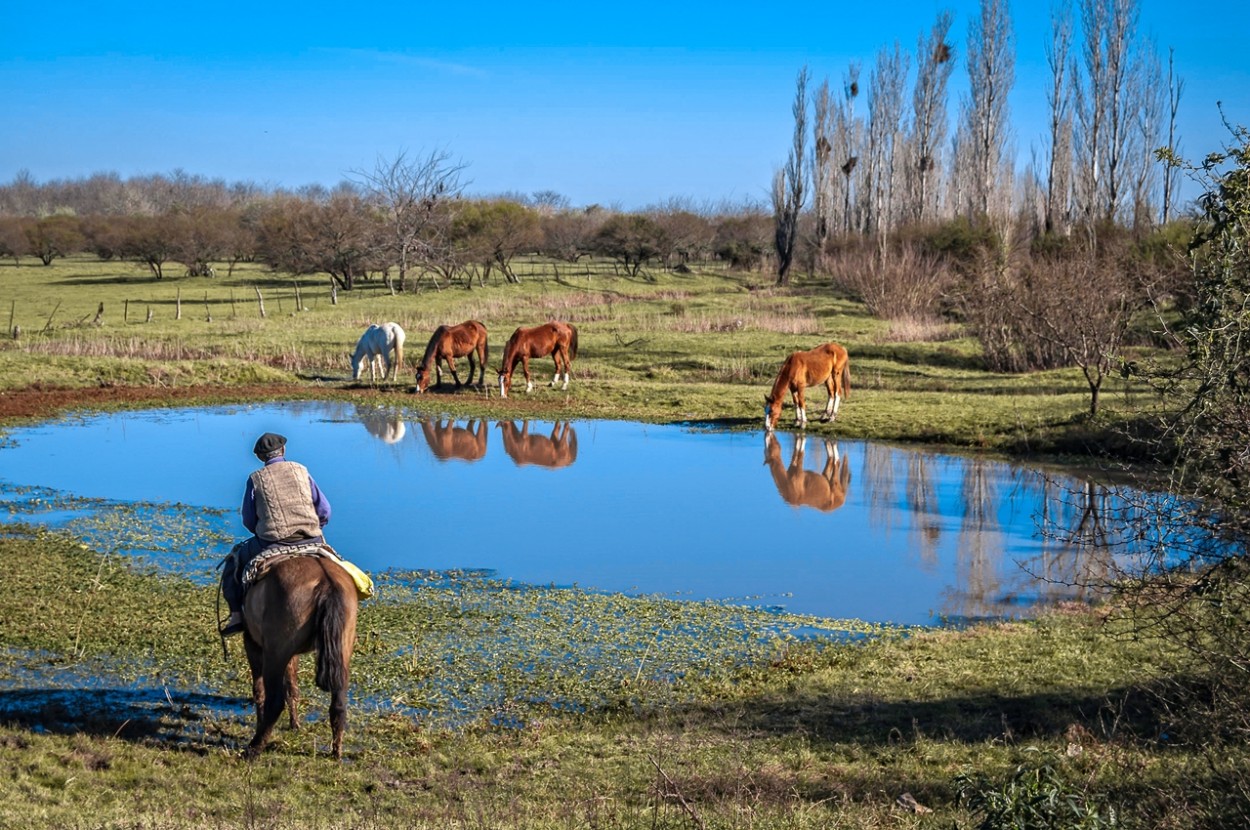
(266, 559)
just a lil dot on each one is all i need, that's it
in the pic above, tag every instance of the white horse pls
(376, 345)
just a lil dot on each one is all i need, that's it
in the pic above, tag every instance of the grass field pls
(649, 714)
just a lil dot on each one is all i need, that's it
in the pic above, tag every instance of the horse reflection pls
(824, 490)
(556, 450)
(385, 426)
(448, 441)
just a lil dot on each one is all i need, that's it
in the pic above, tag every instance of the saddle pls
(259, 567)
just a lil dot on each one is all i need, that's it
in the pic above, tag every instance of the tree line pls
(406, 219)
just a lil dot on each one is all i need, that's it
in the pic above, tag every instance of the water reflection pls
(824, 490)
(653, 509)
(449, 441)
(559, 449)
(386, 426)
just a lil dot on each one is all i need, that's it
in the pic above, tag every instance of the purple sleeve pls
(248, 510)
(320, 503)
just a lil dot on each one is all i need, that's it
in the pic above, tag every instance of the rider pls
(282, 505)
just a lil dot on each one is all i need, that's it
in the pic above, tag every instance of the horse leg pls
(565, 355)
(451, 365)
(831, 405)
(256, 662)
(338, 719)
(274, 679)
(292, 691)
(525, 367)
(800, 409)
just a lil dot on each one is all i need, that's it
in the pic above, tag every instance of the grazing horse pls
(448, 441)
(828, 365)
(303, 604)
(376, 345)
(556, 338)
(825, 491)
(449, 343)
(558, 450)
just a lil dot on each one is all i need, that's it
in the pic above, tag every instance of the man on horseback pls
(282, 506)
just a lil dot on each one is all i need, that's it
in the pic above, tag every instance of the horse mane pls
(510, 356)
(783, 379)
(431, 348)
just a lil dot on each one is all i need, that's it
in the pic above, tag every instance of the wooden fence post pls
(260, 301)
(178, 304)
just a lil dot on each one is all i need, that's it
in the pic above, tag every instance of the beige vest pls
(284, 506)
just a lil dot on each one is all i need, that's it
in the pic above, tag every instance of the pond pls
(845, 529)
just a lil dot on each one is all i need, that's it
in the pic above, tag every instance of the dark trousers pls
(232, 588)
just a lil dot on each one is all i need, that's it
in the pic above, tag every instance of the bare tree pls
(1059, 99)
(885, 112)
(825, 123)
(934, 63)
(788, 191)
(1147, 88)
(1171, 169)
(991, 74)
(847, 136)
(413, 193)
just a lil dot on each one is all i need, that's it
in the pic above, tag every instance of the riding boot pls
(234, 624)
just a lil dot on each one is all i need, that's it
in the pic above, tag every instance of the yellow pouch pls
(364, 585)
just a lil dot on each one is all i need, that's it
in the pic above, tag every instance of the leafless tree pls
(991, 74)
(824, 125)
(414, 194)
(1059, 100)
(847, 140)
(1147, 88)
(934, 63)
(885, 112)
(788, 190)
(1171, 169)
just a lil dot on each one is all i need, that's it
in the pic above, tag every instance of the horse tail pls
(331, 630)
(572, 341)
(846, 378)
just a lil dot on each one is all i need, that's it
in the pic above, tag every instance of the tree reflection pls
(824, 490)
(448, 441)
(559, 449)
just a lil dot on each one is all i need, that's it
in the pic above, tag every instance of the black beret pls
(269, 442)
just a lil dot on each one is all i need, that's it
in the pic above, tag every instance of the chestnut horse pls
(376, 345)
(557, 450)
(449, 343)
(556, 338)
(302, 604)
(827, 365)
(824, 490)
(448, 441)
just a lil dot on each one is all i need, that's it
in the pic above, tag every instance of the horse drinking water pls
(556, 338)
(449, 343)
(828, 365)
(376, 345)
(302, 604)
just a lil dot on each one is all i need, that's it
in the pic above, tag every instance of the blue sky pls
(623, 105)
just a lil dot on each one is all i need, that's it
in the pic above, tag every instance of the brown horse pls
(556, 338)
(824, 491)
(448, 441)
(828, 365)
(303, 604)
(448, 343)
(557, 450)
